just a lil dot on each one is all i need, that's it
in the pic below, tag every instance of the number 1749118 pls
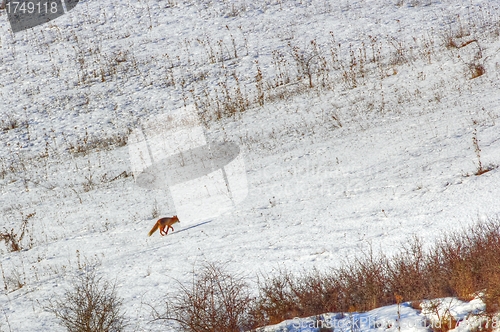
(28, 7)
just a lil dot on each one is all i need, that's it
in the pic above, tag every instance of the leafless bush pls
(461, 264)
(285, 296)
(406, 272)
(364, 284)
(215, 301)
(473, 256)
(401, 52)
(13, 238)
(308, 61)
(92, 305)
(14, 280)
(356, 287)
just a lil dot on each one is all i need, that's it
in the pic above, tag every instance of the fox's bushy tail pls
(155, 227)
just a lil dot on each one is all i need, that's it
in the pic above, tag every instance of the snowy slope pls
(363, 161)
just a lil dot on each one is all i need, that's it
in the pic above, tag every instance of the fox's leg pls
(168, 227)
(162, 230)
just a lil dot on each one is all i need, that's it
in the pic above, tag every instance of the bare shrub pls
(477, 251)
(460, 264)
(406, 272)
(13, 281)
(13, 238)
(215, 301)
(401, 52)
(92, 305)
(287, 296)
(364, 283)
(279, 299)
(358, 286)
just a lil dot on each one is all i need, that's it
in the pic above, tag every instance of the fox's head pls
(176, 219)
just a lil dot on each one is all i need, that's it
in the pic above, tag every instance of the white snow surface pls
(447, 313)
(332, 171)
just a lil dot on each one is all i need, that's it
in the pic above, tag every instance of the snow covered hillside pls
(359, 124)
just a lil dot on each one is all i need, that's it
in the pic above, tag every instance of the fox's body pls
(162, 223)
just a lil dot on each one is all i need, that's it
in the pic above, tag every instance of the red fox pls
(162, 223)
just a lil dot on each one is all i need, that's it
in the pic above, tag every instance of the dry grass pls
(13, 239)
(89, 143)
(333, 66)
(481, 169)
(476, 70)
(460, 265)
(10, 123)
